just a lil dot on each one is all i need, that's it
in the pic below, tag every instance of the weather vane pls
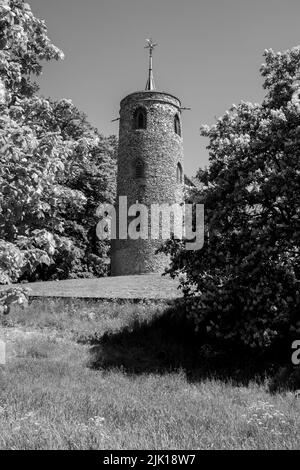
(150, 82)
(150, 45)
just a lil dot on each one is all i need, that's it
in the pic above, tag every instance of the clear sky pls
(209, 55)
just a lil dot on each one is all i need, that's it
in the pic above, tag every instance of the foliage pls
(55, 168)
(23, 45)
(14, 295)
(242, 288)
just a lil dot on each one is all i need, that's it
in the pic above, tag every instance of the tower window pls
(177, 127)
(140, 119)
(179, 173)
(139, 169)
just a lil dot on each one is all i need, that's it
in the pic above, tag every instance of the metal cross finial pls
(150, 82)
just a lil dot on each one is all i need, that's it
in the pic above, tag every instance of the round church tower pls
(150, 170)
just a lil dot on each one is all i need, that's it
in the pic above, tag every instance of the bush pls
(242, 288)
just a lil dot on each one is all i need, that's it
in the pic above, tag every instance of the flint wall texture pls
(160, 149)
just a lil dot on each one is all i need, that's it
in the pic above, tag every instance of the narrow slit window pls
(179, 173)
(140, 119)
(177, 126)
(139, 169)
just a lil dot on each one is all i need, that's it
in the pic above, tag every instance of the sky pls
(209, 55)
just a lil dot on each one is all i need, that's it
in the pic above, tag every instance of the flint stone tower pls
(150, 169)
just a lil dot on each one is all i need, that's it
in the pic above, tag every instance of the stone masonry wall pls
(160, 149)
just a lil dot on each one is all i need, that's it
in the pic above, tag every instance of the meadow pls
(104, 375)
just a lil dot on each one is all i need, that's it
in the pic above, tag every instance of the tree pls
(23, 44)
(47, 149)
(243, 286)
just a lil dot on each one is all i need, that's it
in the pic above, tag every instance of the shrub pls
(242, 288)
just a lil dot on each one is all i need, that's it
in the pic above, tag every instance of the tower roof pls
(150, 85)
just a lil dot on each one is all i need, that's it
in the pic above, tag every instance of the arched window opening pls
(140, 118)
(177, 126)
(179, 173)
(139, 169)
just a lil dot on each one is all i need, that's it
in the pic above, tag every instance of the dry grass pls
(51, 399)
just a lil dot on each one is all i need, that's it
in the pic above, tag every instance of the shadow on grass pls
(168, 343)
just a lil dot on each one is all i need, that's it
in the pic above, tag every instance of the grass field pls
(62, 389)
(146, 286)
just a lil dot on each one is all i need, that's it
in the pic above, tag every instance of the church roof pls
(192, 182)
